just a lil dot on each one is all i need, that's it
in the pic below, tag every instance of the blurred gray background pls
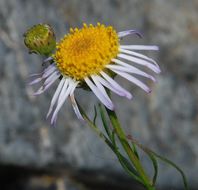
(35, 156)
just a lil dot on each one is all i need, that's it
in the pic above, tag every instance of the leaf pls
(152, 158)
(135, 150)
(174, 166)
(123, 161)
(155, 167)
(95, 115)
(104, 121)
(152, 155)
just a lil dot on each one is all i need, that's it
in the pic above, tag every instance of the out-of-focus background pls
(36, 156)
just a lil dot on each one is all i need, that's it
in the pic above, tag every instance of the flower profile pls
(92, 56)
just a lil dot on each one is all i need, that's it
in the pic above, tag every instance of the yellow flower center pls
(86, 51)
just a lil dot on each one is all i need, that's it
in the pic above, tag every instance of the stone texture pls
(166, 120)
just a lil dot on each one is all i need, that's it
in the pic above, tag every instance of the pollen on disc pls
(86, 51)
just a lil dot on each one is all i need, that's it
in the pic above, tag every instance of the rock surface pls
(166, 120)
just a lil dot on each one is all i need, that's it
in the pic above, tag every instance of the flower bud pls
(40, 39)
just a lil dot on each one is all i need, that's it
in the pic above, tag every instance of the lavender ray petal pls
(140, 47)
(134, 80)
(35, 75)
(49, 71)
(62, 100)
(115, 85)
(35, 81)
(75, 107)
(51, 77)
(140, 62)
(60, 97)
(49, 67)
(47, 59)
(129, 32)
(55, 96)
(45, 87)
(139, 55)
(99, 94)
(109, 86)
(100, 87)
(131, 69)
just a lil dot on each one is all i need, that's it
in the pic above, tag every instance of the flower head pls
(89, 56)
(40, 39)
(87, 51)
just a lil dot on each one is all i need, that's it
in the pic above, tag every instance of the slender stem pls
(121, 136)
(123, 140)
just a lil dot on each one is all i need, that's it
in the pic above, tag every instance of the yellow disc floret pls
(86, 51)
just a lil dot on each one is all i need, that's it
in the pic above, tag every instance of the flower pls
(91, 56)
(40, 39)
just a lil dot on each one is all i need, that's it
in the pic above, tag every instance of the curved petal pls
(134, 80)
(100, 86)
(138, 55)
(56, 95)
(130, 69)
(140, 62)
(68, 86)
(99, 94)
(116, 85)
(140, 47)
(75, 107)
(105, 83)
(129, 32)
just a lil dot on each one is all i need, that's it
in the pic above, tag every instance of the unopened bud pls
(40, 39)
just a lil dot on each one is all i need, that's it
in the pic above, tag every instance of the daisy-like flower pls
(91, 56)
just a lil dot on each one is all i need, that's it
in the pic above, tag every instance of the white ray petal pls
(99, 94)
(74, 87)
(51, 77)
(140, 62)
(35, 74)
(45, 87)
(75, 107)
(49, 67)
(56, 95)
(129, 32)
(140, 47)
(35, 81)
(49, 72)
(129, 67)
(115, 85)
(44, 71)
(64, 88)
(130, 70)
(138, 55)
(105, 83)
(134, 80)
(47, 59)
(68, 86)
(100, 87)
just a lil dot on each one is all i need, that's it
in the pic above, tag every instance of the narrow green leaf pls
(155, 166)
(104, 121)
(150, 152)
(129, 168)
(135, 150)
(95, 115)
(174, 166)
(123, 161)
(113, 138)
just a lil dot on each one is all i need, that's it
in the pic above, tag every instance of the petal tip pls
(149, 91)
(129, 96)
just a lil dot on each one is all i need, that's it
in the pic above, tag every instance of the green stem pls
(123, 140)
(144, 179)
